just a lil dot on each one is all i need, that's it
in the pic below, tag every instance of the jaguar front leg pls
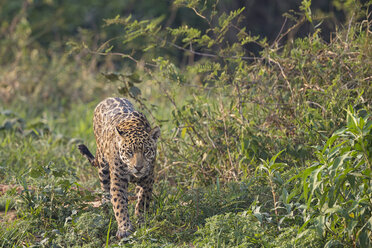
(144, 196)
(119, 200)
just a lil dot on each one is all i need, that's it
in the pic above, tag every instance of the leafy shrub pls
(84, 230)
(48, 199)
(244, 230)
(232, 230)
(289, 238)
(337, 188)
(52, 195)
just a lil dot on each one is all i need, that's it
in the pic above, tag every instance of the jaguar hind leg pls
(103, 169)
(104, 178)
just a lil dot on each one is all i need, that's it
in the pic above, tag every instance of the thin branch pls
(106, 43)
(283, 74)
(171, 44)
(226, 139)
(348, 29)
(367, 78)
(240, 103)
(298, 24)
(317, 105)
(281, 30)
(145, 107)
(274, 195)
(210, 54)
(200, 15)
(122, 55)
(192, 51)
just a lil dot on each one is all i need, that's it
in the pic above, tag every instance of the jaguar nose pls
(138, 167)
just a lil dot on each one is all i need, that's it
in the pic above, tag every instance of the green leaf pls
(109, 49)
(7, 204)
(135, 78)
(123, 90)
(305, 7)
(302, 229)
(183, 133)
(36, 172)
(315, 182)
(367, 128)
(134, 91)
(332, 243)
(320, 225)
(273, 159)
(351, 226)
(108, 233)
(339, 161)
(329, 143)
(364, 240)
(111, 76)
(333, 210)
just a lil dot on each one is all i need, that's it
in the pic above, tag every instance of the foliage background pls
(264, 106)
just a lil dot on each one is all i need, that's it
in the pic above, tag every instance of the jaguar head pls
(137, 145)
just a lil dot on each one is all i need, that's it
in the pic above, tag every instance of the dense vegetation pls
(266, 138)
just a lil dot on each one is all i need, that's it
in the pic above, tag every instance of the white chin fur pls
(137, 173)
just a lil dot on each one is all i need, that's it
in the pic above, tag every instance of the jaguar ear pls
(155, 133)
(120, 130)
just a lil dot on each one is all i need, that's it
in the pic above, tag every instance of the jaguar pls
(126, 152)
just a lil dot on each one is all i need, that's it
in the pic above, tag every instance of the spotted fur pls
(126, 152)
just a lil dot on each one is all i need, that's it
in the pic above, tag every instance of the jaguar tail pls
(86, 153)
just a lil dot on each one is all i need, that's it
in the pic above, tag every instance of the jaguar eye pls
(147, 152)
(130, 154)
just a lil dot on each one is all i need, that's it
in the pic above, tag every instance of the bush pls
(337, 188)
(232, 230)
(244, 230)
